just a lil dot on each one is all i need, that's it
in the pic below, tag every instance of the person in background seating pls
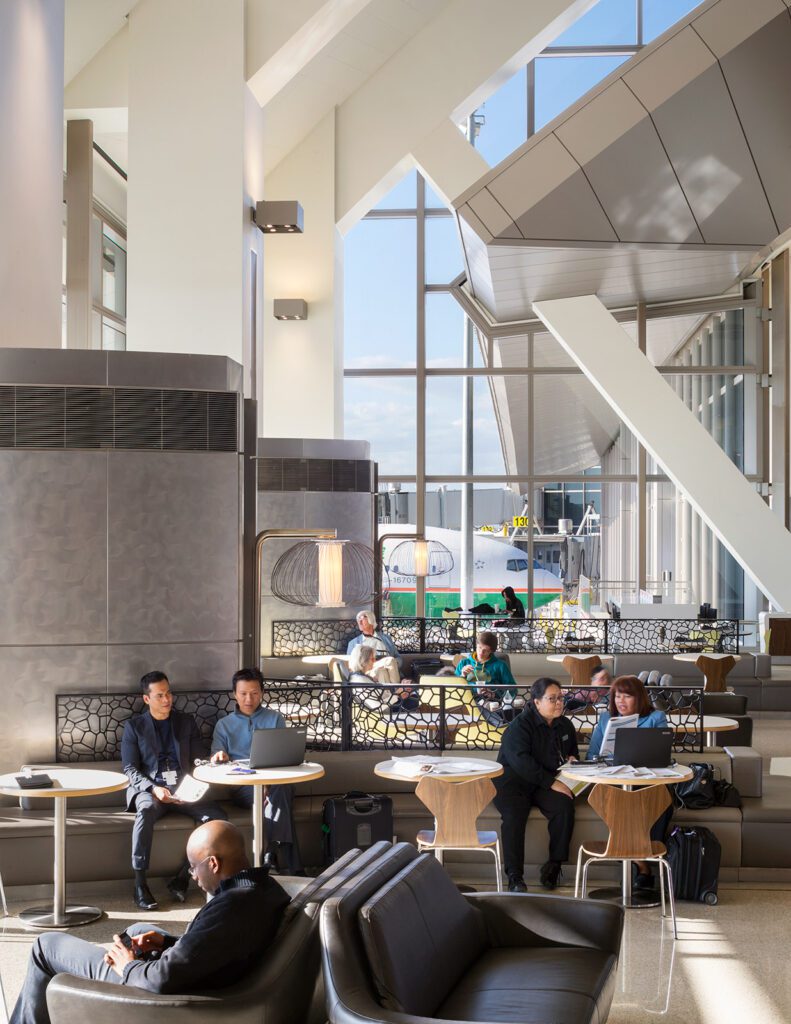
(490, 677)
(231, 741)
(534, 746)
(628, 696)
(225, 941)
(362, 663)
(584, 697)
(387, 660)
(158, 748)
(513, 606)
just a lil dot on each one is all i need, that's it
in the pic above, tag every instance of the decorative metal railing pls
(300, 638)
(443, 715)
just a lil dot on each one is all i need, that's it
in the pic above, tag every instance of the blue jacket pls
(654, 720)
(496, 669)
(234, 733)
(385, 641)
(140, 751)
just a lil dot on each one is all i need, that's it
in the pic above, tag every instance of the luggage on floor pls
(355, 821)
(694, 854)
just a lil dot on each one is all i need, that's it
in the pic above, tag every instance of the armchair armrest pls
(73, 1000)
(537, 920)
(746, 770)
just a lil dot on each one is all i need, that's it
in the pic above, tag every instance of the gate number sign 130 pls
(520, 521)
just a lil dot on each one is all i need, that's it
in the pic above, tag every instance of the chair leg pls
(498, 866)
(438, 852)
(2, 896)
(585, 878)
(577, 875)
(661, 887)
(672, 895)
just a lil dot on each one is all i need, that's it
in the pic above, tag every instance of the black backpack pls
(698, 793)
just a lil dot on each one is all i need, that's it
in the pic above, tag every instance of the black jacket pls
(140, 751)
(225, 941)
(532, 751)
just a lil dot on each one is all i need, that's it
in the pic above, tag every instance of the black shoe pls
(516, 884)
(177, 887)
(143, 898)
(644, 881)
(269, 859)
(550, 873)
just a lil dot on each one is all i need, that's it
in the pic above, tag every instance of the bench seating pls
(99, 829)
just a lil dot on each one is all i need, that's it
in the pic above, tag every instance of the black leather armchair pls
(401, 945)
(287, 988)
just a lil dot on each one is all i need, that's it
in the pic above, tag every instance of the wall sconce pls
(278, 217)
(290, 309)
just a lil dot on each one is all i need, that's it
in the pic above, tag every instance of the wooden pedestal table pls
(224, 775)
(624, 895)
(715, 668)
(67, 782)
(580, 666)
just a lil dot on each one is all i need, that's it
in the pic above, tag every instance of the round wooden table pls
(224, 775)
(714, 667)
(68, 782)
(624, 895)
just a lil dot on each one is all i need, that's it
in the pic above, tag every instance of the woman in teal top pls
(488, 676)
(628, 696)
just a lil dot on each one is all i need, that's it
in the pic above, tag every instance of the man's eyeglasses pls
(194, 867)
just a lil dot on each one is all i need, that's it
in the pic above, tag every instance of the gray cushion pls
(561, 984)
(420, 936)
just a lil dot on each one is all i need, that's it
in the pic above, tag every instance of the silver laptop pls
(277, 748)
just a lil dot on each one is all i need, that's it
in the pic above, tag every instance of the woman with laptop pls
(628, 696)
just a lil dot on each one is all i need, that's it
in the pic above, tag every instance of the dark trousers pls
(148, 811)
(278, 817)
(60, 953)
(514, 800)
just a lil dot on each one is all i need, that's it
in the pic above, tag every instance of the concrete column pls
(192, 164)
(305, 359)
(31, 173)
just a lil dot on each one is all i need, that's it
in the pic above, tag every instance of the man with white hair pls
(387, 664)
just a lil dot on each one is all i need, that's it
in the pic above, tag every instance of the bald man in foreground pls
(226, 939)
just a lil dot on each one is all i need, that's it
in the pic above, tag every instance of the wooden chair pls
(580, 669)
(715, 672)
(629, 815)
(456, 807)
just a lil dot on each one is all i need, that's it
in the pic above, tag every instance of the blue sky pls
(380, 289)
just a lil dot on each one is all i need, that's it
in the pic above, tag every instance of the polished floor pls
(728, 966)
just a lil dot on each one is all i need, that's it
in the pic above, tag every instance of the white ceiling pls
(90, 24)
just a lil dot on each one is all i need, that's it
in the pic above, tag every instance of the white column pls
(31, 173)
(719, 493)
(190, 231)
(303, 360)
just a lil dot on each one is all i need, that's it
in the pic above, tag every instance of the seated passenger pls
(584, 697)
(534, 746)
(158, 748)
(387, 661)
(362, 663)
(231, 741)
(225, 940)
(490, 677)
(513, 606)
(628, 696)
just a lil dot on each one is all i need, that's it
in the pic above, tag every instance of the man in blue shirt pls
(231, 742)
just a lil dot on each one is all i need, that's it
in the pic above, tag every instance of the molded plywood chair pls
(629, 815)
(456, 807)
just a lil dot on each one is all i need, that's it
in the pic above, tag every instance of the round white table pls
(712, 724)
(389, 770)
(578, 656)
(223, 775)
(625, 895)
(324, 659)
(68, 782)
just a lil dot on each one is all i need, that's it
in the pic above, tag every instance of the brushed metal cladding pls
(187, 666)
(570, 212)
(53, 559)
(31, 678)
(53, 366)
(166, 370)
(703, 138)
(173, 547)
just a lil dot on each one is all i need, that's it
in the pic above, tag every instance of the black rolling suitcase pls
(694, 854)
(355, 821)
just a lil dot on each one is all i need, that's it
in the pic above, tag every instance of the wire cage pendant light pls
(418, 557)
(324, 574)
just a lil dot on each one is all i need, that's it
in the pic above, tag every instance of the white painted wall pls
(186, 177)
(31, 172)
(303, 361)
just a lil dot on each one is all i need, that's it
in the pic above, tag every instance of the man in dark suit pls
(158, 749)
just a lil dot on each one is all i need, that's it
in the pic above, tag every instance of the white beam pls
(306, 44)
(448, 161)
(445, 71)
(722, 496)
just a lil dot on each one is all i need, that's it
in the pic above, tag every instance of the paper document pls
(614, 724)
(190, 790)
(414, 767)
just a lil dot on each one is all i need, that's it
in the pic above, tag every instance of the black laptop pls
(277, 748)
(643, 748)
